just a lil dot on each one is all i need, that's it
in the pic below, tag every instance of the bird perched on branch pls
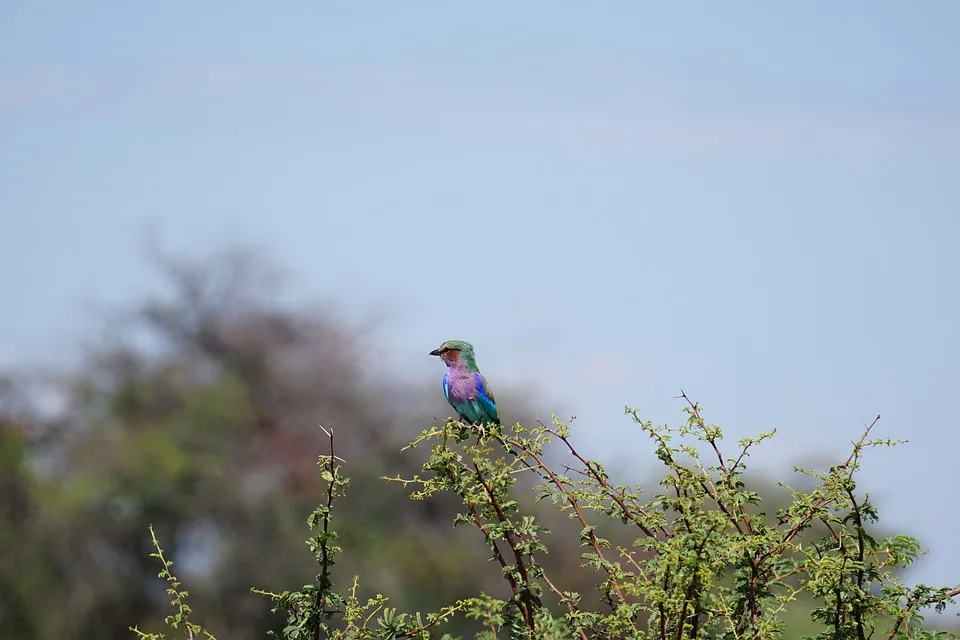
(464, 386)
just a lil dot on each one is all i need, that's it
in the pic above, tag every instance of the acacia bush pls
(707, 560)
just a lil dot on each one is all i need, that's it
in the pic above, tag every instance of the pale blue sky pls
(755, 202)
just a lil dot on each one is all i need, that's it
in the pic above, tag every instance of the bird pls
(464, 386)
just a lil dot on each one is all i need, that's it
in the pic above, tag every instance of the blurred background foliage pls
(197, 411)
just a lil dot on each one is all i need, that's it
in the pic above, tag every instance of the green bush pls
(699, 558)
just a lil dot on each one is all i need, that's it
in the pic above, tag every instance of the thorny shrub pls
(707, 561)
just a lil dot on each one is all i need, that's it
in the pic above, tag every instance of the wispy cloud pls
(654, 116)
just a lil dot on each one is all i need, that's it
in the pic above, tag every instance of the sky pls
(756, 203)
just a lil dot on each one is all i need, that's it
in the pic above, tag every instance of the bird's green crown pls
(465, 349)
(455, 345)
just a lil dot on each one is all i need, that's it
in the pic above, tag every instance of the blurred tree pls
(198, 413)
(24, 570)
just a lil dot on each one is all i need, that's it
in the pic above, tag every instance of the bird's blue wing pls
(446, 388)
(485, 402)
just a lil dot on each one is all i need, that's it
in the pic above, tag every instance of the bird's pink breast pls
(462, 385)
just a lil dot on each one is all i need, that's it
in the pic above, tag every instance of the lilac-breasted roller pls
(464, 386)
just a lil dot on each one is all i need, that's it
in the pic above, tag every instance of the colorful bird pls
(464, 386)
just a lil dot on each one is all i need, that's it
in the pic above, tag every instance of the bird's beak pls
(435, 352)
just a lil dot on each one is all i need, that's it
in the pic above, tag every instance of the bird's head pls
(453, 351)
